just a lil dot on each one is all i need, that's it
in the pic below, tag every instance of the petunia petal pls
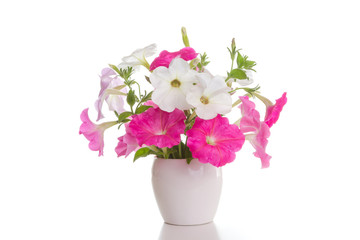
(214, 141)
(273, 112)
(165, 57)
(259, 131)
(157, 127)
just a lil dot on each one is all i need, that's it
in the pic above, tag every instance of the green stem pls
(152, 147)
(192, 116)
(237, 102)
(139, 89)
(180, 155)
(146, 64)
(107, 125)
(165, 152)
(266, 101)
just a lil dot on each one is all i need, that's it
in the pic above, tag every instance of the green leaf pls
(240, 60)
(188, 153)
(188, 160)
(142, 109)
(238, 74)
(249, 64)
(125, 120)
(142, 152)
(123, 116)
(131, 98)
(147, 97)
(115, 68)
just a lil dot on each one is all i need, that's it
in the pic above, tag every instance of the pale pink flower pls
(165, 57)
(157, 127)
(93, 132)
(127, 143)
(214, 141)
(258, 131)
(273, 111)
(110, 83)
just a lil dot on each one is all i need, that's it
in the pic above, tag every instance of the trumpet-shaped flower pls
(214, 141)
(93, 132)
(258, 131)
(127, 143)
(112, 91)
(172, 84)
(165, 57)
(138, 57)
(210, 96)
(273, 111)
(157, 127)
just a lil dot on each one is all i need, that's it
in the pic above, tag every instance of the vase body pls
(186, 194)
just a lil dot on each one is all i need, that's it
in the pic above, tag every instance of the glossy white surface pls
(187, 194)
(206, 232)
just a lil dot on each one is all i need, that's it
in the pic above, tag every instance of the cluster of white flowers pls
(181, 87)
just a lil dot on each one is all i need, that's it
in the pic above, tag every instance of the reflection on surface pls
(199, 232)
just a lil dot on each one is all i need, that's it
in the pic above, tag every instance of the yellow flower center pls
(175, 83)
(210, 140)
(204, 100)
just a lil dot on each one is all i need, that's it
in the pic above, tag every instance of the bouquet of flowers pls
(184, 116)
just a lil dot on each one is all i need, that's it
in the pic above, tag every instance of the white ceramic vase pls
(186, 194)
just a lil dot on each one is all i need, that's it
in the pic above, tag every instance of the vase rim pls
(171, 158)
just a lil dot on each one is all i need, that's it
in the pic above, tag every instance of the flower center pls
(175, 83)
(204, 100)
(210, 140)
(161, 132)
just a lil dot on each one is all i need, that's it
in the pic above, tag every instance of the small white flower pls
(138, 57)
(210, 97)
(171, 85)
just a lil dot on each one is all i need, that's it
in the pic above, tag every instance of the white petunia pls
(172, 84)
(138, 57)
(210, 97)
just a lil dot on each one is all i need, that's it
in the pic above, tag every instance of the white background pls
(51, 53)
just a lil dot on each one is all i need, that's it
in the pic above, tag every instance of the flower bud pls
(185, 37)
(233, 45)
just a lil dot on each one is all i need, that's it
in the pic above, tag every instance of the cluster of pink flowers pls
(185, 118)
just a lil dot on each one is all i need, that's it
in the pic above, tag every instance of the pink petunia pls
(165, 57)
(258, 131)
(93, 132)
(127, 143)
(214, 141)
(273, 111)
(157, 127)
